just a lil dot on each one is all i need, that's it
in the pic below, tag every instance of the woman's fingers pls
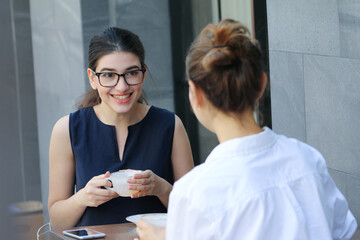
(101, 176)
(143, 181)
(140, 223)
(107, 174)
(141, 228)
(140, 187)
(98, 196)
(143, 174)
(99, 181)
(148, 231)
(143, 178)
(100, 192)
(94, 193)
(147, 183)
(96, 184)
(139, 194)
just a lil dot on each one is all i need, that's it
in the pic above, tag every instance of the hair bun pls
(227, 43)
(218, 56)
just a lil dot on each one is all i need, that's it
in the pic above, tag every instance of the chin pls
(122, 108)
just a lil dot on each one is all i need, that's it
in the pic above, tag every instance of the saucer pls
(158, 219)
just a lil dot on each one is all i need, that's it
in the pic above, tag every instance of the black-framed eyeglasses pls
(111, 79)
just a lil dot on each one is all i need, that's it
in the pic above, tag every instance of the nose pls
(122, 85)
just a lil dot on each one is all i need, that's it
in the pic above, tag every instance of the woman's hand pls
(148, 231)
(148, 183)
(92, 195)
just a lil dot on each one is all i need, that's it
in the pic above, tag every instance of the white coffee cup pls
(119, 182)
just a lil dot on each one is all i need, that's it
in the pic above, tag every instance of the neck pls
(228, 127)
(108, 116)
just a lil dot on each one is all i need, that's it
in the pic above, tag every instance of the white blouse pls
(263, 186)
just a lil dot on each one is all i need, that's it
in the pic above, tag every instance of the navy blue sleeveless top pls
(148, 146)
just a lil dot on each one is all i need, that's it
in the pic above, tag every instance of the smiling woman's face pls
(122, 97)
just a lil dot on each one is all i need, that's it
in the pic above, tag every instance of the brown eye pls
(107, 75)
(132, 73)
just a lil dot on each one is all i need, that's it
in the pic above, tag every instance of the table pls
(357, 234)
(122, 231)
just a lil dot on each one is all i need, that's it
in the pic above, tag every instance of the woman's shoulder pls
(81, 111)
(62, 122)
(61, 127)
(81, 115)
(160, 116)
(302, 154)
(161, 111)
(293, 144)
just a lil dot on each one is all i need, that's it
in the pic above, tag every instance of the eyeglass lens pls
(110, 79)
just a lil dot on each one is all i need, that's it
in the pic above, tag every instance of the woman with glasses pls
(255, 184)
(113, 130)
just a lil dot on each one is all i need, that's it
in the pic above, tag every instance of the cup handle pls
(112, 186)
(111, 183)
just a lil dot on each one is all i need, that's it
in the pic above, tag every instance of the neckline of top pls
(107, 125)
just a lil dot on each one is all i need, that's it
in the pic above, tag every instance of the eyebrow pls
(114, 70)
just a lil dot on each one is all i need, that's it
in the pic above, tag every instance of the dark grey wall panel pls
(325, 35)
(287, 94)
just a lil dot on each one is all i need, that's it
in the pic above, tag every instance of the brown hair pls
(225, 62)
(113, 39)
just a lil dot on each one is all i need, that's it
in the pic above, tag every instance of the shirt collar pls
(244, 145)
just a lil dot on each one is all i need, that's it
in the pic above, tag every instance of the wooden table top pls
(127, 231)
(123, 231)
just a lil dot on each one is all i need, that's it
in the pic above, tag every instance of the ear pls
(195, 95)
(92, 78)
(263, 83)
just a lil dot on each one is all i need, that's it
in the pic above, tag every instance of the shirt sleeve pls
(344, 223)
(186, 221)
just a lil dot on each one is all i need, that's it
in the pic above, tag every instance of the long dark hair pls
(113, 39)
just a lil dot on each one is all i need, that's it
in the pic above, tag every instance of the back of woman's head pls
(113, 39)
(225, 62)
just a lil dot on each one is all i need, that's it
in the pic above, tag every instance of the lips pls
(122, 97)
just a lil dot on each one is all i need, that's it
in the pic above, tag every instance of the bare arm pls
(182, 161)
(65, 207)
(181, 156)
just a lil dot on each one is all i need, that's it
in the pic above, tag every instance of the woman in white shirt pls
(255, 184)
